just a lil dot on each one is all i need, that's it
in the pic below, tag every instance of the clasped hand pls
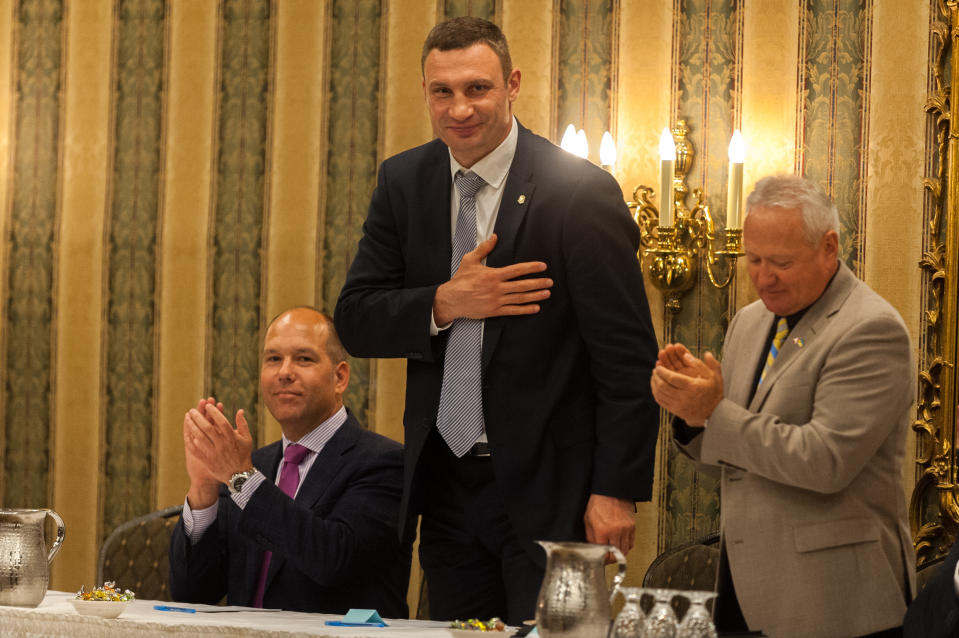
(214, 450)
(478, 291)
(688, 387)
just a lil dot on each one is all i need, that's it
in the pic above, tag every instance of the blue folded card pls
(359, 618)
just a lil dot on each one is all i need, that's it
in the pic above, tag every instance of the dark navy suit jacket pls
(935, 611)
(334, 548)
(567, 402)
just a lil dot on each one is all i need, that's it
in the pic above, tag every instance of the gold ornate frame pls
(933, 509)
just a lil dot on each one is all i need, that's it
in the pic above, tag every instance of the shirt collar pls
(494, 166)
(321, 434)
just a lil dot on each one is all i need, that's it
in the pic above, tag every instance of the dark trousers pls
(728, 616)
(475, 566)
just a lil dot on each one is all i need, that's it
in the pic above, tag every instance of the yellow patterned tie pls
(782, 329)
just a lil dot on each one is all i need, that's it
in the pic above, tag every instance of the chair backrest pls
(690, 566)
(135, 554)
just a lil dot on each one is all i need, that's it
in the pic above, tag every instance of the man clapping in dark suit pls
(307, 523)
(518, 302)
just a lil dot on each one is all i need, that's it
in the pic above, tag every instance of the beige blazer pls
(813, 508)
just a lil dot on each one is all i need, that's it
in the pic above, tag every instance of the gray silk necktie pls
(460, 416)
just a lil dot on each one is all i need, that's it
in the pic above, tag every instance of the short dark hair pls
(334, 347)
(464, 32)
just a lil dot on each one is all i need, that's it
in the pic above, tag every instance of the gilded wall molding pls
(933, 510)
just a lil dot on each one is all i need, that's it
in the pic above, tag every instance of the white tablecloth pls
(55, 616)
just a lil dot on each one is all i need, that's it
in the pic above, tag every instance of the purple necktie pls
(289, 479)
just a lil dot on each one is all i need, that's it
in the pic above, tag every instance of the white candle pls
(734, 189)
(667, 157)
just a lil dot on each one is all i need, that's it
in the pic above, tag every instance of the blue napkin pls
(359, 618)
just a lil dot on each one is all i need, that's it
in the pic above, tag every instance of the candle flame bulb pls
(582, 146)
(607, 150)
(667, 147)
(737, 148)
(569, 137)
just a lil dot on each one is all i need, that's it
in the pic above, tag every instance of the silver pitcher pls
(24, 559)
(574, 600)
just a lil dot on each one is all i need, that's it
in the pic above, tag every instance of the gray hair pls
(792, 191)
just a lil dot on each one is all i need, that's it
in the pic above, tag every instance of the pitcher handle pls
(620, 575)
(61, 532)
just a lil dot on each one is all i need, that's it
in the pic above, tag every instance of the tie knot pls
(468, 183)
(295, 453)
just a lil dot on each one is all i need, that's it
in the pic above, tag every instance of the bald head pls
(321, 322)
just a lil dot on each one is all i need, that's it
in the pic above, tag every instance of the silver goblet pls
(697, 622)
(630, 621)
(661, 622)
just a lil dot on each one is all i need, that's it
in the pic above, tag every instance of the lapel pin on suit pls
(521, 199)
(799, 342)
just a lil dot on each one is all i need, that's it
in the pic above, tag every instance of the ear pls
(341, 377)
(830, 244)
(512, 84)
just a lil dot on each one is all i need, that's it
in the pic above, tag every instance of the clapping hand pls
(688, 387)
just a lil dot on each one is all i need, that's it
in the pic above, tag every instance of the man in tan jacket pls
(806, 418)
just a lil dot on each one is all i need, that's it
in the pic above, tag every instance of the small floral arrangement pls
(475, 624)
(107, 593)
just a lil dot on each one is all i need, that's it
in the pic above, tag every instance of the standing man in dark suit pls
(307, 523)
(518, 301)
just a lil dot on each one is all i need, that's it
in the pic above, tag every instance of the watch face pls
(237, 480)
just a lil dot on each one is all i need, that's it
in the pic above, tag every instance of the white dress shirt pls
(196, 522)
(493, 168)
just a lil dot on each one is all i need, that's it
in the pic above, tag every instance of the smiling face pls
(470, 103)
(788, 273)
(301, 386)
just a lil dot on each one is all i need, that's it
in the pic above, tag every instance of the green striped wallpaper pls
(834, 111)
(476, 8)
(133, 221)
(28, 325)
(708, 70)
(351, 173)
(585, 68)
(238, 219)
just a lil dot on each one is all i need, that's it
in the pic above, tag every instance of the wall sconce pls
(675, 238)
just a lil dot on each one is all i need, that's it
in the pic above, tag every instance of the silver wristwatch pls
(238, 479)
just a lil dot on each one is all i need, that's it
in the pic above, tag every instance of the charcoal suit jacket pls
(335, 546)
(566, 398)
